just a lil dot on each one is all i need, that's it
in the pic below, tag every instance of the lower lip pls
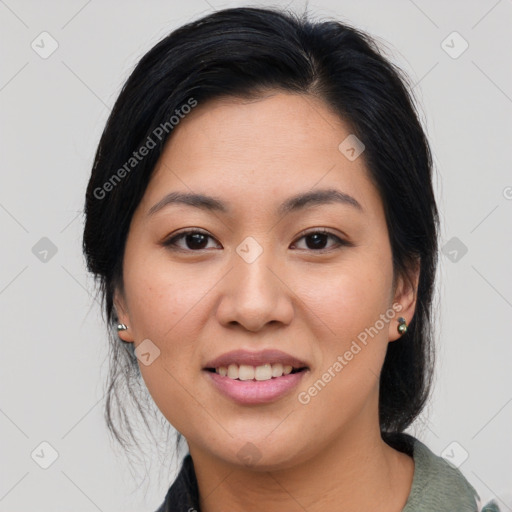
(255, 391)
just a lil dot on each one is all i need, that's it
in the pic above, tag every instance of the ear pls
(122, 316)
(404, 301)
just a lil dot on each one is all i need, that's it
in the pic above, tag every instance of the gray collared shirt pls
(438, 486)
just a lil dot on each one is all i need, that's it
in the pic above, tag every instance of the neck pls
(356, 471)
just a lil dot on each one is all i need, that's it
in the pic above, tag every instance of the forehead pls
(261, 148)
(277, 122)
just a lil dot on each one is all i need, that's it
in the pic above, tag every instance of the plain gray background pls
(53, 109)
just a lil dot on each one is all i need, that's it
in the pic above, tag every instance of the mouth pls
(250, 378)
(267, 371)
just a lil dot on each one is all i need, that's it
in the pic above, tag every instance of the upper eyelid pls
(311, 231)
(171, 239)
(340, 240)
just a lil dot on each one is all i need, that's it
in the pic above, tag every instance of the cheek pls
(165, 308)
(163, 296)
(348, 303)
(349, 298)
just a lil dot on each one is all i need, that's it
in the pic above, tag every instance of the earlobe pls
(123, 323)
(123, 332)
(404, 303)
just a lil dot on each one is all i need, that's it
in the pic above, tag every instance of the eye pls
(196, 240)
(193, 240)
(317, 240)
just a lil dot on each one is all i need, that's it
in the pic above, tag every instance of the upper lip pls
(255, 359)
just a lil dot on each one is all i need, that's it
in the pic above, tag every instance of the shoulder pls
(437, 484)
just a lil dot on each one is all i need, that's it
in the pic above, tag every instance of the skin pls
(197, 304)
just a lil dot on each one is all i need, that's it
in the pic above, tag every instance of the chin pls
(260, 454)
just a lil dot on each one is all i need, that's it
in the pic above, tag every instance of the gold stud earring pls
(402, 325)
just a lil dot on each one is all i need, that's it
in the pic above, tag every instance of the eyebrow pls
(294, 203)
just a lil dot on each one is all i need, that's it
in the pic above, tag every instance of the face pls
(262, 312)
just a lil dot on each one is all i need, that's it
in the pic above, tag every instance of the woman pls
(262, 222)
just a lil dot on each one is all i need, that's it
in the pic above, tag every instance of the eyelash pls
(171, 242)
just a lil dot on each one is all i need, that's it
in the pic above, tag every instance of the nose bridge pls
(253, 295)
(254, 279)
(255, 275)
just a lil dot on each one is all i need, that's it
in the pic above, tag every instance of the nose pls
(254, 295)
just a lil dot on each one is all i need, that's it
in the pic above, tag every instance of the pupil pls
(196, 241)
(319, 240)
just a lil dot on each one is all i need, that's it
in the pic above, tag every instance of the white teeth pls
(265, 371)
(277, 370)
(233, 371)
(245, 372)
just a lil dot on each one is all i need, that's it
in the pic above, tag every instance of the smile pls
(252, 378)
(262, 372)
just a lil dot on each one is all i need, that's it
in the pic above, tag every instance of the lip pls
(254, 392)
(255, 359)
